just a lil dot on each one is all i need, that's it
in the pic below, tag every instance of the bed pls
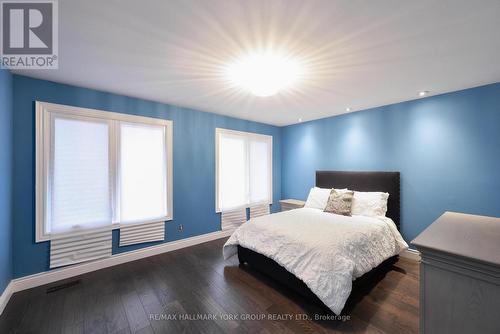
(318, 254)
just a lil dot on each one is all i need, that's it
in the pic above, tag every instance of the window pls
(142, 173)
(79, 174)
(97, 168)
(243, 169)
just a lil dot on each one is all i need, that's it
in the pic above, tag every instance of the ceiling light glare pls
(423, 93)
(264, 73)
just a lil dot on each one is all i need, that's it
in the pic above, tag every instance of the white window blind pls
(97, 169)
(259, 210)
(232, 172)
(143, 173)
(71, 248)
(260, 170)
(80, 192)
(131, 234)
(243, 169)
(231, 219)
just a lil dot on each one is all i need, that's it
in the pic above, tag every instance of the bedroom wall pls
(447, 148)
(5, 178)
(194, 163)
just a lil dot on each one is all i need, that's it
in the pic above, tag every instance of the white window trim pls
(259, 136)
(44, 112)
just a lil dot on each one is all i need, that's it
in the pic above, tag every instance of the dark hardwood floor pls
(194, 290)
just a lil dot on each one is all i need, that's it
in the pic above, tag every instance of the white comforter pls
(324, 250)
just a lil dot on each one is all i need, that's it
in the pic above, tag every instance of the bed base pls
(273, 270)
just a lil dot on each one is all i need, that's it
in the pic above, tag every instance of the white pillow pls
(318, 197)
(371, 204)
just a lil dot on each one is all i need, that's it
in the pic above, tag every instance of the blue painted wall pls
(446, 147)
(194, 162)
(5, 178)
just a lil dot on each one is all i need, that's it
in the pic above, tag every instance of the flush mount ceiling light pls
(423, 93)
(264, 73)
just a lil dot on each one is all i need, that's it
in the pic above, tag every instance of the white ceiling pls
(359, 54)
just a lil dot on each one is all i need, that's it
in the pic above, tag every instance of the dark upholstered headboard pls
(365, 181)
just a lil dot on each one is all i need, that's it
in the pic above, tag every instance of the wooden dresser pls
(460, 275)
(289, 204)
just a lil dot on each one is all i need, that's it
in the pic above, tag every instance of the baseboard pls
(411, 254)
(5, 296)
(46, 277)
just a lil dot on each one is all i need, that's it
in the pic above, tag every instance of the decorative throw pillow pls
(318, 197)
(371, 204)
(339, 202)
